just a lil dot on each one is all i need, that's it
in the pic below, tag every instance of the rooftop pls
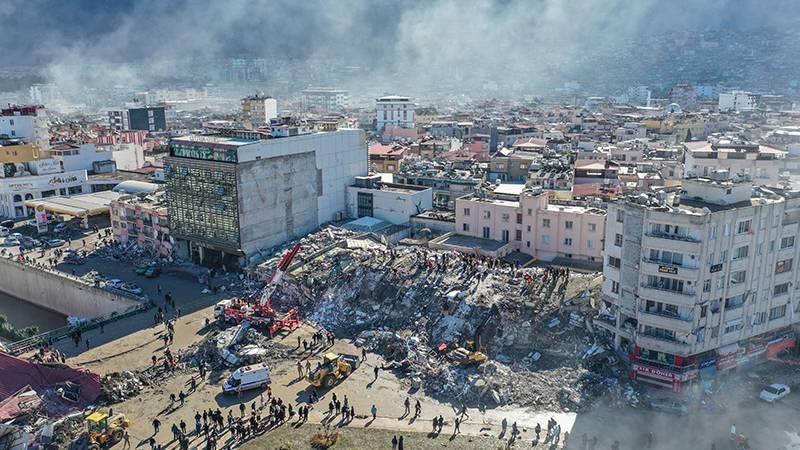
(213, 139)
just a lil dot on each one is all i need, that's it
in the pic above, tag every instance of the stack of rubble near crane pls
(410, 303)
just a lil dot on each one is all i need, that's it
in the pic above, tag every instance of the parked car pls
(59, 227)
(131, 288)
(115, 283)
(7, 224)
(29, 243)
(141, 268)
(53, 242)
(74, 258)
(152, 272)
(16, 236)
(10, 242)
(4, 231)
(669, 406)
(774, 392)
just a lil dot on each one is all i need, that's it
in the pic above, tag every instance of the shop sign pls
(715, 268)
(17, 187)
(726, 361)
(708, 363)
(653, 371)
(668, 269)
(62, 180)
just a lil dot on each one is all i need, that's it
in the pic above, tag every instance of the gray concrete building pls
(232, 195)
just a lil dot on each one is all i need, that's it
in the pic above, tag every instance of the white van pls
(248, 377)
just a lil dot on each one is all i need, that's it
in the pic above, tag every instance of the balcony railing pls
(664, 263)
(662, 338)
(686, 292)
(666, 314)
(675, 237)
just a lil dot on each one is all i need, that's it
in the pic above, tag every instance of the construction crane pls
(262, 313)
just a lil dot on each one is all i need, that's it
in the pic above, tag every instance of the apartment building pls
(143, 219)
(762, 163)
(738, 101)
(324, 99)
(697, 284)
(394, 110)
(27, 122)
(258, 110)
(531, 223)
(231, 195)
(386, 158)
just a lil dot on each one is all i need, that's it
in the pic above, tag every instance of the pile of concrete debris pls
(117, 387)
(412, 300)
(234, 347)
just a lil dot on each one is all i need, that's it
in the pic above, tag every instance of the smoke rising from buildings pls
(415, 45)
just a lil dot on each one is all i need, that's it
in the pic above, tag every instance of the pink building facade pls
(531, 224)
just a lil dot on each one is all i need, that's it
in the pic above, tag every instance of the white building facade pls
(390, 202)
(695, 286)
(394, 110)
(737, 101)
(28, 122)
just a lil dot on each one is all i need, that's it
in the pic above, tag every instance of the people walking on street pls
(457, 425)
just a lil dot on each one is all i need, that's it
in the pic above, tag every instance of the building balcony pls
(685, 297)
(656, 267)
(680, 244)
(665, 320)
(662, 344)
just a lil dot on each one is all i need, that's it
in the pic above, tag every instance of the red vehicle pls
(260, 313)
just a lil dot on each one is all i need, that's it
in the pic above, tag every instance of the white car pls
(774, 392)
(16, 236)
(115, 283)
(10, 242)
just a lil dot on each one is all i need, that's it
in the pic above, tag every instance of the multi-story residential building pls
(14, 150)
(531, 223)
(258, 110)
(684, 95)
(448, 184)
(513, 167)
(394, 110)
(27, 122)
(148, 118)
(386, 158)
(737, 101)
(324, 99)
(142, 219)
(698, 283)
(231, 195)
(761, 162)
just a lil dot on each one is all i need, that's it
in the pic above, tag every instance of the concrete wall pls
(58, 293)
(277, 200)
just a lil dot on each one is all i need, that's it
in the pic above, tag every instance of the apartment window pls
(659, 333)
(620, 215)
(743, 226)
(545, 239)
(726, 230)
(505, 217)
(592, 227)
(787, 242)
(614, 287)
(772, 245)
(589, 243)
(760, 249)
(528, 244)
(724, 256)
(568, 224)
(465, 227)
(780, 289)
(545, 223)
(666, 257)
(740, 252)
(733, 325)
(486, 232)
(466, 212)
(518, 235)
(519, 219)
(777, 312)
(530, 211)
(669, 284)
(711, 259)
(712, 234)
(738, 276)
(618, 240)
(614, 262)
(783, 266)
(487, 214)
(703, 311)
(568, 242)
(759, 318)
(734, 302)
(11, 122)
(707, 286)
(505, 235)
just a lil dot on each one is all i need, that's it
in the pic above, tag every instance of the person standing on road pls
(376, 372)
(456, 426)
(363, 353)
(156, 425)
(374, 411)
(394, 442)
(400, 443)
(299, 369)
(407, 405)
(126, 438)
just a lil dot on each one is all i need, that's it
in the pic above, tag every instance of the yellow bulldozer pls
(104, 430)
(333, 369)
(466, 357)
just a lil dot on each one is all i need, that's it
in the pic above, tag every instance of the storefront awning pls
(78, 205)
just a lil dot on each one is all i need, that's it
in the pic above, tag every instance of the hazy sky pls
(75, 40)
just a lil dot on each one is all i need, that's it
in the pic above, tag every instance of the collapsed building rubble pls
(406, 302)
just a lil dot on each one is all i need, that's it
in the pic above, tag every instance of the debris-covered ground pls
(413, 305)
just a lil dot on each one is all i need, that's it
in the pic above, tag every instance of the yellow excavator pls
(333, 369)
(104, 430)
